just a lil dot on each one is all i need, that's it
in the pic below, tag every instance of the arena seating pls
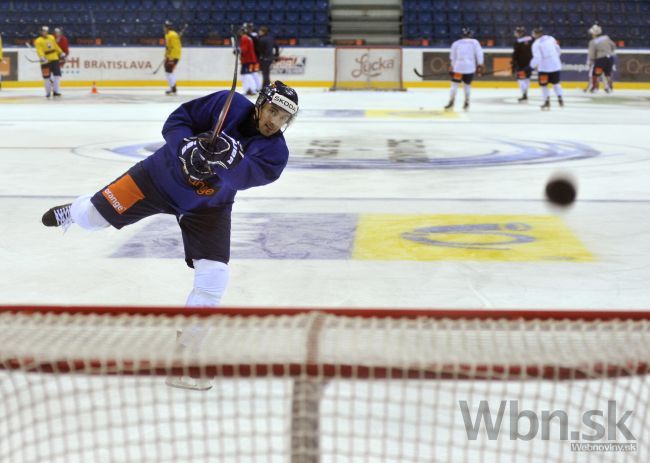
(433, 22)
(133, 22)
(493, 21)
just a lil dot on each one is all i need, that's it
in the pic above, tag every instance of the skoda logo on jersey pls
(284, 103)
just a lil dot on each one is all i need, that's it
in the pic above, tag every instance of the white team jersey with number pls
(465, 55)
(546, 54)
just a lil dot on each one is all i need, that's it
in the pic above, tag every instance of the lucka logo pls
(371, 68)
(599, 425)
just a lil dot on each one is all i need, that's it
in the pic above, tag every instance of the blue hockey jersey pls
(264, 157)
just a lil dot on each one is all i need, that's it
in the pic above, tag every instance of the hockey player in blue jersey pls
(197, 181)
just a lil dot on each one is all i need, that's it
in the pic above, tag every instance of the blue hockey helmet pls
(280, 95)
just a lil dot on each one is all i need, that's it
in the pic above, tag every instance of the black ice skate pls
(547, 105)
(171, 91)
(523, 99)
(466, 105)
(55, 94)
(560, 101)
(58, 216)
(450, 106)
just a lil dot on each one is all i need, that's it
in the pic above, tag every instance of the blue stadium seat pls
(261, 17)
(321, 30)
(409, 17)
(425, 17)
(306, 17)
(455, 18)
(233, 16)
(439, 17)
(438, 5)
(305, 30)
(470, 17)
(290, 30)
(322, 17)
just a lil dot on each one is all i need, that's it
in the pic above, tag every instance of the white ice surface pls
(52, 151)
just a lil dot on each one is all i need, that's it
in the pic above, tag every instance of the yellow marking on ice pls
(507, 238)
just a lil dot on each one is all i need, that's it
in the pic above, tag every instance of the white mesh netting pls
(318, 387)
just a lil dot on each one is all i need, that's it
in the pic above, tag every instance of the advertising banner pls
(9, 66)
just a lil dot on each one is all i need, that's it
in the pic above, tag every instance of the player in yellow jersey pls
(49, 53)
(172, 55)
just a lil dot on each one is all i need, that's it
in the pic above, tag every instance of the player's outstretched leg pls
(58, 216)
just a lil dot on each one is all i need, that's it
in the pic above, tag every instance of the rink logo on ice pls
(525, 425)
(418, 153)
(256, 236)
(466, 237)
(413, 153)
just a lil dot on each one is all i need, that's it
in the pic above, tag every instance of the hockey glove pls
(200, 160)
(479, 70)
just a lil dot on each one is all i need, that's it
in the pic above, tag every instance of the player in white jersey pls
(546, 58)
(466, 58)
(600, 60)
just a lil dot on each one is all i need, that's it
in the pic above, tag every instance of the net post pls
(305, 399)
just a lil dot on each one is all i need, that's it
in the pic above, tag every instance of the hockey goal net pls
(88, 384)
(368, 68)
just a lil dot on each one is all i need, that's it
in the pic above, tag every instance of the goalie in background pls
(600, 59)
(50, 55)
(466, 58)
(172, 55)
(521, 55)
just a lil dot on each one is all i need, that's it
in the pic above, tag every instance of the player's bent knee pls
(86, 215)
(210, 282)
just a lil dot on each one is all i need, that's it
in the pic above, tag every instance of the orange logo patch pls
(202, 188)
(543, 79)
(123, 193)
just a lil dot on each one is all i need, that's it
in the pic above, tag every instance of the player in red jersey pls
(249, 64)
(63, 43)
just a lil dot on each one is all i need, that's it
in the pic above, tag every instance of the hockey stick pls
(441, 74)
(226, 106)
(31, 60)
(180, 34)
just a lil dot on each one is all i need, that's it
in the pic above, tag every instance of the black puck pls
(561, 191)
